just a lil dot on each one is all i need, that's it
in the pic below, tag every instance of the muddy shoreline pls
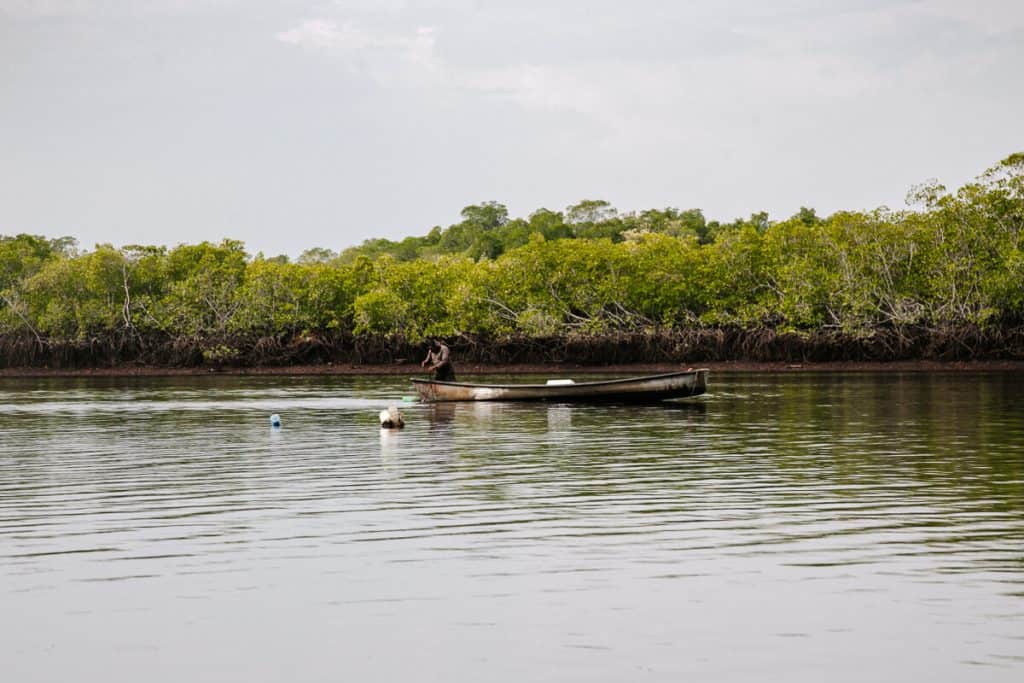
(471, 369)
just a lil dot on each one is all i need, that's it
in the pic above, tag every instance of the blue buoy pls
(275, 420)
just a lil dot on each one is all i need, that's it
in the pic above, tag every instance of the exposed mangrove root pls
(676, 346)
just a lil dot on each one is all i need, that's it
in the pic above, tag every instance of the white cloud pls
(629, 99)
(780, 75)
(324, 34)
(385, 56)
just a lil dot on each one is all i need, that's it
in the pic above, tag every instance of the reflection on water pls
(794, 527)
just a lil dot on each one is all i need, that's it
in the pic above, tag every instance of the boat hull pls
(629, 390)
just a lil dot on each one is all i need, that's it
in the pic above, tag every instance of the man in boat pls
(439, 360)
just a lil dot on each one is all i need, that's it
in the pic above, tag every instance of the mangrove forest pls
(941, 279)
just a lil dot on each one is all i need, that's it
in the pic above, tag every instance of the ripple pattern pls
(784, 524)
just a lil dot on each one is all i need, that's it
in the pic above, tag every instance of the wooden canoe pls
(628, 390)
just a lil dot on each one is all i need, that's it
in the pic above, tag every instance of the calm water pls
(800, 527)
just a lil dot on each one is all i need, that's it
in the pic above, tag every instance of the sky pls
(295, 124)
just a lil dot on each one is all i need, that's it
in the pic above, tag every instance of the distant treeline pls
(943, 280)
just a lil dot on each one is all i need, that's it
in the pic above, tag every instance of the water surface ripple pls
(784, 527)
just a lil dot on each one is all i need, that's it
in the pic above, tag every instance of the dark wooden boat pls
(628, 390)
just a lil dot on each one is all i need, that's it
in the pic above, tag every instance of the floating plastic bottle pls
(275, 420)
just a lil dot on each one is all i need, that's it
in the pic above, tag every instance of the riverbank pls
(338, 353)
(472, 369)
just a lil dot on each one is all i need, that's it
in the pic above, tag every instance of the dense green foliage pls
(956, 261)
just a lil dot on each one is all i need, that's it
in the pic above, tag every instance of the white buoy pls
(391, 418)
(275, 420)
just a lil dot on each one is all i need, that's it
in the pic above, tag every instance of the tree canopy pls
(952, 258)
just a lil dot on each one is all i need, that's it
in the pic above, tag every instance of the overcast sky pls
(296, 123)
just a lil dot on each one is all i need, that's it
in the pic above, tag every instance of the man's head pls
(435, 344)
